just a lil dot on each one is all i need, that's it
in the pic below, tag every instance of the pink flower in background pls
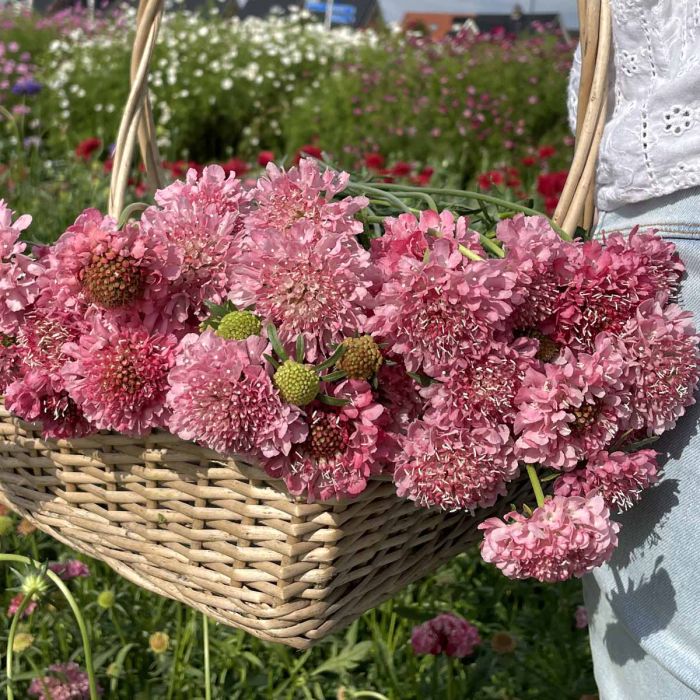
(282, 199)
(63, 682)
(38, 396)
(455, 469)
(9, 362)
(408, 236)
(19, 273)
(397, 391)
(445, 634)
(345, 447)
(119, 377)
(318, 289)
(481, 390)
(543, 263)
(572, 408)
(563, 538)
(222, 396)
(94, 262)
(16, 601)
(433, 313)
(619, 477)
(663, 365)
(67, 570)
(581, 618)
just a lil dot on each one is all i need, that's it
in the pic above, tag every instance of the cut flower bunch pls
(334, 331)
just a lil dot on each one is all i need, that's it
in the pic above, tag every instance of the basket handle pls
(575, 207)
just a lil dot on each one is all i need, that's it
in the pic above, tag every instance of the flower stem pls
(536, 486)
(469, 253)
(207, 665)
(87, 650)
(467, 194)
(491, 246)
(9, 668)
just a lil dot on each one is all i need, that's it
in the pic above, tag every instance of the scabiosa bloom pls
(458, 469)
(282, 199)
(664, 365)
(119, 377)
(606, 289)
(67, 570)
(572, 408)
(657, 260)
(481, 390)
(19, 273)
(63, 682)
(542, 261)
(445, 634)
(318, 290)
(408, 236)
(619, 477)
(344, 448)
(398, 393)
(10, 366)
(16, 601)
(40, 396)
(565, 537)
(432, 313)
(222, 396)
(95, 262)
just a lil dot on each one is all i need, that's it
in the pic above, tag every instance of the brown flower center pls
(548, 349)
(111, 280)
(327, 436)
(585, 415)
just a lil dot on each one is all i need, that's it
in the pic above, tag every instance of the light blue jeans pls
(644, 605)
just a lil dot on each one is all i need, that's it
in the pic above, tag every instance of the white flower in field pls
(109, 108)
(227, 83)
(65, 114)
(98, 107)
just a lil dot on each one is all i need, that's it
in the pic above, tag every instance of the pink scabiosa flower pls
(119, 376)
(16, 601)
(67, 570)
(664, 365)
(282, 199)
(543, 263)
(435, 312)
(458, 469)
(572, 408)
(658, 263)
(480, 390)
(10, 366)
(565, 537)
(319, 290)
(19, 274)
(608, 286)
(222, 396)
(408, 236)
(445, 634)
(398, 392)
(344, 448)
(619, 477)
(63, 682)
(38, 396)
(95, 262)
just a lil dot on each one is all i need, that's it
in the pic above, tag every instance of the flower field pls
(486, 113)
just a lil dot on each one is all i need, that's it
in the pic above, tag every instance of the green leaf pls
(300, 348)
(275, 342)
(332, 400)
(334, 376)
(421, 379)
(345, 661)
(272, 361)
(333, 359)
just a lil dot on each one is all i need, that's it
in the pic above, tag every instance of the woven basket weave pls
(218, 534)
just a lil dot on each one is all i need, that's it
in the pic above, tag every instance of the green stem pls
(207, 666)
(491, 246)
(76, 612)
(536, 486)
(9, 668)
(387, 196)
(468, 194)
(469, 253)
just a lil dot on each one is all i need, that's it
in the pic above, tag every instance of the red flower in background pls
(265, 157)
(529, 161)
(309, 150)
(87, 148)
(237, 166)
(550, 186)
(401, 169)
(374, 161)
(424, 176)
(546, 152)
(492, 178)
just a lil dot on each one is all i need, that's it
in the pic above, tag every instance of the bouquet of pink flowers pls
(332, 339)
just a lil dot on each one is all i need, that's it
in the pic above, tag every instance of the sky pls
(395, 9)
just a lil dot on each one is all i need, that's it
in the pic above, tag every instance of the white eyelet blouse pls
(651, 142)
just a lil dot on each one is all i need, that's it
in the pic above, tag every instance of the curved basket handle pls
(575, 205)
(137, 119)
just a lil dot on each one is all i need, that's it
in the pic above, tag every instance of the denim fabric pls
(644, 605)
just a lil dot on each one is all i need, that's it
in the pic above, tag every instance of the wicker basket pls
(220, 535)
